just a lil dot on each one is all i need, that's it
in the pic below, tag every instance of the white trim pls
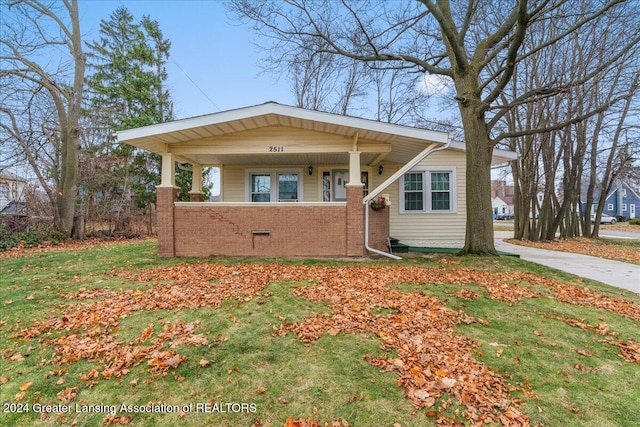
(286, 111)
(273, 172)
(426, 172)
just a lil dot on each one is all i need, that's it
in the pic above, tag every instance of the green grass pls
(280, 376)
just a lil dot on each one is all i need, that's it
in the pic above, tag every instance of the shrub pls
(635, 221)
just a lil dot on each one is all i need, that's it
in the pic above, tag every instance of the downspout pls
(420, 157)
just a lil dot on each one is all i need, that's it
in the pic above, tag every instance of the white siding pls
(433, 229)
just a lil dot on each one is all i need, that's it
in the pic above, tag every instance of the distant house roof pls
(14, 208)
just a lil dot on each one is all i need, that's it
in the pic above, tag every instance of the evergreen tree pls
(125, 90)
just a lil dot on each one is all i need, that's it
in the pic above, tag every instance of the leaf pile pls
(430, 359)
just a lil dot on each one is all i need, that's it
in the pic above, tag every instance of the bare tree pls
(42, 79)
(477, 44)
(581, 122)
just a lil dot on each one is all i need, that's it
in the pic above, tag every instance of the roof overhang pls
(499, 155)
(209, 140)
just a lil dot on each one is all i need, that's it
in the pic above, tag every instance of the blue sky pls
(216, 54)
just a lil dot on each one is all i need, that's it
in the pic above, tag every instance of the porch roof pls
(208, 140)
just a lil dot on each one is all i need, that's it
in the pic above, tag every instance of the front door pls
(340, 181)
(632, 210)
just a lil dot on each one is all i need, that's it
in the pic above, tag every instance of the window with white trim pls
(624, 207)
(281, 185)
(428, 190)
(610, 206)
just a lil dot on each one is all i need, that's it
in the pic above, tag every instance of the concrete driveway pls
(615, 273)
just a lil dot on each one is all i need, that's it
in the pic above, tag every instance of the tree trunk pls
(479, 230)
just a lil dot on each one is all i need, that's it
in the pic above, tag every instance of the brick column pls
(355, 220)
(379, 228)
(165, 213)
(196, 197)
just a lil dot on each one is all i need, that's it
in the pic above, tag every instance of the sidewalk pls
(615, 273)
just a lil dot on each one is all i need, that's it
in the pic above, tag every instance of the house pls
(501, 207)
(12, 189)
(296, 182)
(502, 198)
(622, 201)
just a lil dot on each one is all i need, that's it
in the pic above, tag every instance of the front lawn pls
(113, 335)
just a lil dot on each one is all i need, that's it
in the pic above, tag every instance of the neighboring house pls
(501, 207)
(622, 201)
(295, 182)
(502, 198)
(11, 189)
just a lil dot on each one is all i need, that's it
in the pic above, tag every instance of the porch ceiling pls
(211, 139)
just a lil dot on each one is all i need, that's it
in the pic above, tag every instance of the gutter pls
(374, 193)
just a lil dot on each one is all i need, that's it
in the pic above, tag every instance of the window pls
(413, 192)
(624, 192)
(287, 187)
(260, 188)
(326, 186)
(610, 206)
(364, 178)
(624, 207)
(273, 186)
(440, 191)
(428, 190)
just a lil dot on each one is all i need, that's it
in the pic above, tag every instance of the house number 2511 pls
(276, 149)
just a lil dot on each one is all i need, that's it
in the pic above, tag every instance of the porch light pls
(310, 169)
(380, 169)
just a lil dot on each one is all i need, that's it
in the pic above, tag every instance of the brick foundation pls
(260, 230)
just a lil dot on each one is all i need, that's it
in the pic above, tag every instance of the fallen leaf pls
(4, 380)
(204, 363)
(68, 394)
(261, 390)
(583, 352)
(117, 419)
(25, 386)
(282, 400)
(499, 352)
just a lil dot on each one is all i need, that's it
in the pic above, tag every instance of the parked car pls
(504, 216)
(605, 219)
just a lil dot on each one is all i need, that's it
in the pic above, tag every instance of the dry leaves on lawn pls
(430, 358)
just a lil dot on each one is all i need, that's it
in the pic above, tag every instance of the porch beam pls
(280, 149)
(378, 159)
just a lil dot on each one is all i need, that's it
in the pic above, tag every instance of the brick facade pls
(260, 230)
(267, 229)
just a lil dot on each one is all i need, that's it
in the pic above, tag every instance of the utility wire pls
(196, 85)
